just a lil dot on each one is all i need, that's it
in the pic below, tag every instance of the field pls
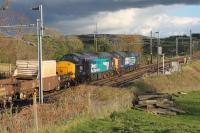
(105, 109)
(186, 80)
(75, 102)
(132, 120)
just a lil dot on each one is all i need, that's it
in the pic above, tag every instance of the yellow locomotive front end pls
(66, 68)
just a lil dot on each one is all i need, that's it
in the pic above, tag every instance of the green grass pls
(134, 121)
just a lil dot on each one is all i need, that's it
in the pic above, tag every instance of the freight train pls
(71, 69)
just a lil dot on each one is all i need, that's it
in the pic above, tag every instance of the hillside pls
(186, 80)
(134, 121)
(25, 47)
(106, 109)
(81, 101)
(109, 42)
(56, 45)
(131, 120)
(12, 49)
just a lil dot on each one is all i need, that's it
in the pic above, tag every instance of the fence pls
(6, 70)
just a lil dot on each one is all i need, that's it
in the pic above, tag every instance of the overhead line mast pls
(5, 5)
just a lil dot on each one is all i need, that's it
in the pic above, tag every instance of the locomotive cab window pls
(81, 68)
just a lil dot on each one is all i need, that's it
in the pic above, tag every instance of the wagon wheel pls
(58, 87)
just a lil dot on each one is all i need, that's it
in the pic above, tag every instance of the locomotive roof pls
(129, 53)
(105, 54)
(89, 56)
(119, 53)
(77, 57)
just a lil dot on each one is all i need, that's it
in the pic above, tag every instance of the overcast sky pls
(116, 16)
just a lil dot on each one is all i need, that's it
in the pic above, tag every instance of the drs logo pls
(130, 61)
(99, 65)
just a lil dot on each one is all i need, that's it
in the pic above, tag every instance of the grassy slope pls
(137, 121)
(82, 101)
(55, 45)
(187, 80)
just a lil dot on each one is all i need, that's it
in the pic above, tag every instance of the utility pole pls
(151, 49)
(95, 42)
(38, 41)
(163, 63)
(40, 53)
(176, 46)
(5, 5)
(191, 45)
(40, 33)
(95, 38)
(158, 44)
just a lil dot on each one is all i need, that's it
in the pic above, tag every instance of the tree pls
(74, 44)
(131, 43)
(104, 45)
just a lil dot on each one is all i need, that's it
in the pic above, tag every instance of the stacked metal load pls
(28, 69)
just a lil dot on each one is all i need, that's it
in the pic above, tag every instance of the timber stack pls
(157, 104)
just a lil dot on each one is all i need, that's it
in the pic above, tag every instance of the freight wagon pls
(24, 81)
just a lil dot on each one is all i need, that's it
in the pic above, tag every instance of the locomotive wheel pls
(58, 88)
(76, 83)
(67, 85)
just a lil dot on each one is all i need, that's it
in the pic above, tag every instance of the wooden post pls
(176, 46)
(157, 64)
(10, 69)
(35, 111)
(191, 50)
(4, 104)
(11, 107)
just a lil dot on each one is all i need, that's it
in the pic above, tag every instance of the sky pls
(169, 17)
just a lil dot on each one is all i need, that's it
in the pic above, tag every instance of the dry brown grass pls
(83, 100)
